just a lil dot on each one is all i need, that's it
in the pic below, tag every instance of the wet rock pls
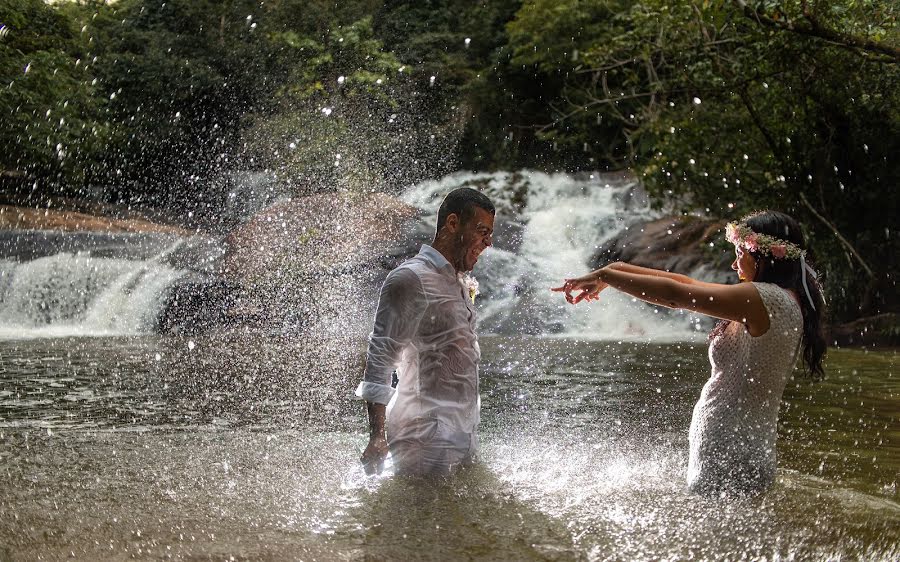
(196, 304)
(317, 262)
(677, 244)
(880, 331)
(24, 218)
(27, 245)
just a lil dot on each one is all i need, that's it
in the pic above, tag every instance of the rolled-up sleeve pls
(400, 308)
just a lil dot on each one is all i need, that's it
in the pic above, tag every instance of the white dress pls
(734, 426)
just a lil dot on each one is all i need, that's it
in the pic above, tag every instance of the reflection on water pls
(230, 446)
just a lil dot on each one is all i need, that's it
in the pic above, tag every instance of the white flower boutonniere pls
(470, 284)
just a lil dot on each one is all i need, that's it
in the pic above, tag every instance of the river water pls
(245, 447)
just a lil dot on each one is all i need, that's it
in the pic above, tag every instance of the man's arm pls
(377, 449)
(400, 309)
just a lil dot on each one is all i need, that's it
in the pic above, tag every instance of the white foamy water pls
(77, 294)
(547, 228)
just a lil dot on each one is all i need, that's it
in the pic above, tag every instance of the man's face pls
(473, 237)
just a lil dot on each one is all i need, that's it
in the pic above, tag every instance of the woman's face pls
(744, 264)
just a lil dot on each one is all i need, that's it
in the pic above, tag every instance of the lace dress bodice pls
(734, 425)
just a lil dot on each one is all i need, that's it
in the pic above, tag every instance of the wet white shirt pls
(425, 329)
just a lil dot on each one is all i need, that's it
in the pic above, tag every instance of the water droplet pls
(468, 41)
(341, 79)
(697, 101)
(431, 80)
(191, 345)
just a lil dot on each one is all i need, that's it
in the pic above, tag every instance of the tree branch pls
(815, 29)
(774, 146)
(838, 235)
(612, 66)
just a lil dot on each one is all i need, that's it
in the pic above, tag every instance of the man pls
(425, 329)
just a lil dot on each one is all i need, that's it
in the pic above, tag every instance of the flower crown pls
(743, 236)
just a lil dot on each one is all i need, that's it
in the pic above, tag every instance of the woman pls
(769, 318)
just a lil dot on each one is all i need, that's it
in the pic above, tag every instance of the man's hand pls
(590, 286)
(374, 455)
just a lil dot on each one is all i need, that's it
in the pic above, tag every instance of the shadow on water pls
(470, 515)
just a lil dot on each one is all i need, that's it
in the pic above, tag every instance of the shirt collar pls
(436, 258)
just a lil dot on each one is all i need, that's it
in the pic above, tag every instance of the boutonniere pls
(470, 284)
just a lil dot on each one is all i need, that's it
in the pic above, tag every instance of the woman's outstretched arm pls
(740, 303)
(657, 273)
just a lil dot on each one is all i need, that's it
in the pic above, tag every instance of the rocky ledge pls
(687, 245)
(24, 218)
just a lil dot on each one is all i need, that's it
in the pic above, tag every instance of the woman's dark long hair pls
(787, 273)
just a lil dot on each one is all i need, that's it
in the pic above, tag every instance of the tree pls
(788, 105)
(178, 76)
(51, 114)
(336, 121)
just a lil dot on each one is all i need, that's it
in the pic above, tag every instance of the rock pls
(196, 304)
(23, 218)
(27, 245)
(316, 262)
(882, 330)
(316, 234)
(677, 244)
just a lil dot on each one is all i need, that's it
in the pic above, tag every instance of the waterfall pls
(547, 227)
(80, 294)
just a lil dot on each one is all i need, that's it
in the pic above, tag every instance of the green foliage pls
(722, 106)
(728, 111)
(178, 76)
(47, 99)
(335, 122)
